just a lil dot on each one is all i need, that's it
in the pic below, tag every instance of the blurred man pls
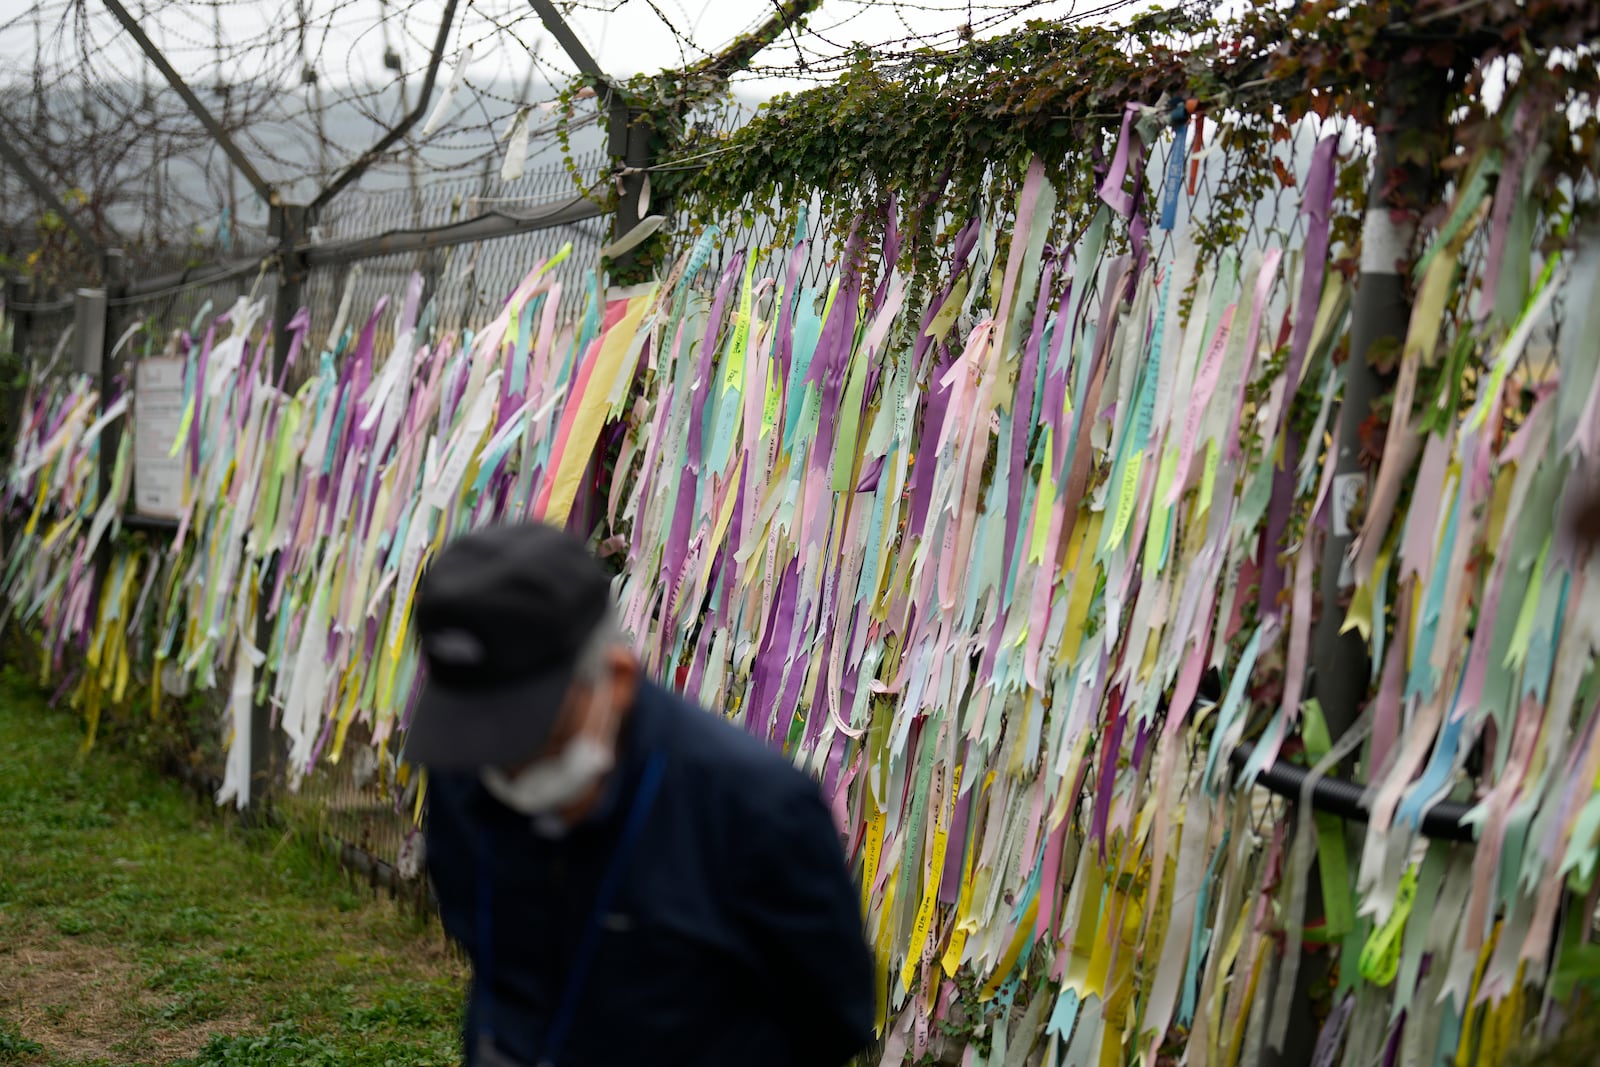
(635, 881)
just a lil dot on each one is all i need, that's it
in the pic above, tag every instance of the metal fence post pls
(116, 278)
(288, 225)
(630, 143)
(92, 355)
(17, 294)
(288, 228)
(1378, 320)
(1341, 670)
(21, 330)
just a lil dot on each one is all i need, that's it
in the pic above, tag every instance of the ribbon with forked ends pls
(948, 541)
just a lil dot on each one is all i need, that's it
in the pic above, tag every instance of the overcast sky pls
(368, 58)
(346, 40)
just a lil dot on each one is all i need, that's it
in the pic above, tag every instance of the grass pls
(139, 925)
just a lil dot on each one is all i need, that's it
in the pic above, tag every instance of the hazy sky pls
(346, 40)
(368, 56)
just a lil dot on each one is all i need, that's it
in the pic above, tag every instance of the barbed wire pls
(306, 86)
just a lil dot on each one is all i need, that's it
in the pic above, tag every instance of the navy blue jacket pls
(735, 938)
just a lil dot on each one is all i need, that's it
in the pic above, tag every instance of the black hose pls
(1339, 797)
(132, 520)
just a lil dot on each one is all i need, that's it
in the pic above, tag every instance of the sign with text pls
(157, 417)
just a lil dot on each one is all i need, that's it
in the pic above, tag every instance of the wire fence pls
(761, 230)
(359, 799)
(169, 302)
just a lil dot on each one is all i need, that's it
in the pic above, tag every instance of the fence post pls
(17, 294)
(287, 225)
(21, 331)
(89, 333)
(116, 279)
(630, 145)
(18, 290)
(1341, 669)
(1378, 320)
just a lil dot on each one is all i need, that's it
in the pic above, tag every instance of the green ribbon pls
(1332, 862)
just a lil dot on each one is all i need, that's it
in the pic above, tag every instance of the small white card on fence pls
(157, 416)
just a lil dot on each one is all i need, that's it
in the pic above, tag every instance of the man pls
(635, 881)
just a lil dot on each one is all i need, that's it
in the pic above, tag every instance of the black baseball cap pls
(502, 615)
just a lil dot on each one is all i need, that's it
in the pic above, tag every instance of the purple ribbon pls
(1113, 191)
(1283, 488)
(922, 473)
(834, 766)
(408, 312)
(1129, 160)
(1055, 382)
(891, 247)
(783, 347)
(1111, 744)
(199, 402)
(1022, 425)
(966, 241)
(1316, 206)
(956, 849)
(298, 327)
(768, 667)
(677, 547)
(871, 475)
(1507, 193)
(833, 361)
(1392, 1048)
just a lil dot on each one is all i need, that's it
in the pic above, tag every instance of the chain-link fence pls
(362, 254)
(470, 242)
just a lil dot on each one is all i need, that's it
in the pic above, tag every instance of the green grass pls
(139, 925)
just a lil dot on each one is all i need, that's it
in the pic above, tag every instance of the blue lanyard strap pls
(605, 895)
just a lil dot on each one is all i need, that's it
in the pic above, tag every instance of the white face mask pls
(552, 784)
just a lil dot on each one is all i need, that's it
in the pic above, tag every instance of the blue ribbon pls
(1174, 183)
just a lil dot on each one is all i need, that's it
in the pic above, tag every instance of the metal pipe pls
(484, 227)
(181, 87)
(558, 28)
(50, 307)
(480, 228)
(359, 167)
(1340, 670)
(152, 524)
(1336, 796)
(111, 435)
(159, 284)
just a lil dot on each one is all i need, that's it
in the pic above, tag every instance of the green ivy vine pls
(945, 131)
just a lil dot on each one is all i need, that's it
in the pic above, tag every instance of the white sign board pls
(157, 416)
(1346, 494)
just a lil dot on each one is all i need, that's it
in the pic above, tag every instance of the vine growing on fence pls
(944, 129)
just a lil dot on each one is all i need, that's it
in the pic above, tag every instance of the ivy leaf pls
(1384, 354)
(1373, 433)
